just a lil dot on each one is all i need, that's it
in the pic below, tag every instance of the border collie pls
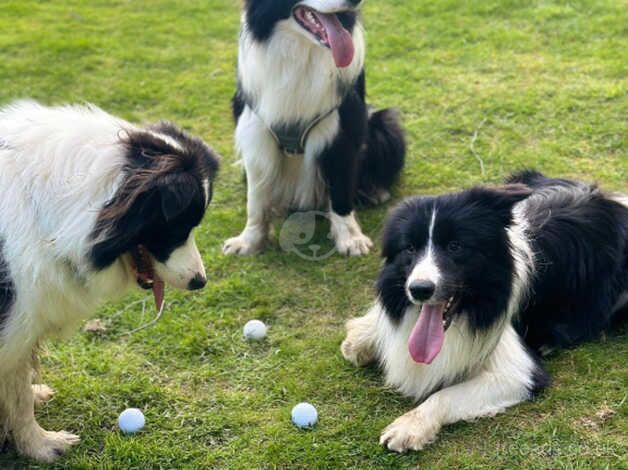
(90, 205)
(304, 132)
(476, 283)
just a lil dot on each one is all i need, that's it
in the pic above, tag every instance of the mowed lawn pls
(509, 84)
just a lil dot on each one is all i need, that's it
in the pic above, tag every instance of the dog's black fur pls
(579, 237)
(470, 246)
(161, 199)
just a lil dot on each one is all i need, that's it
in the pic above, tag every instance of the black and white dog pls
(476, 283)
(304, 132)
(90, 206)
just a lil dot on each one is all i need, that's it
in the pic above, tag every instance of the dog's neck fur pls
(289, 79)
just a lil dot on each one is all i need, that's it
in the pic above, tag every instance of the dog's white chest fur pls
(458, 357)
(290, 80)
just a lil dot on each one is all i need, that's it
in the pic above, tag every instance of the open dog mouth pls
(145, 274)
(329, 31)
(428, 335)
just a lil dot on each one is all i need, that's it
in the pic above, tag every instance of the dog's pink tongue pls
(158, 292)
(340, 40)
(428, 335)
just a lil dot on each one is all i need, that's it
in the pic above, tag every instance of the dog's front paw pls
(47, 446)
(357, 356)
(357, 348)
(242, 245)
(42, 393)
(412, 431)
(354, 245)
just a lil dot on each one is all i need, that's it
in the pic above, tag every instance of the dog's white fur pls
(495, 368)
(289, 77)
(58, 168)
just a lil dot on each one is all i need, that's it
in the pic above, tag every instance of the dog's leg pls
(339, 167)
(345, 229)
(18, 402)
(255, 233)
(509, 377)
(42, 393)
(348, 235)
(359, 347)
(259, 153)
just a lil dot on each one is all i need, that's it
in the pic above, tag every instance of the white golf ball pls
(304, 415)
(255, 330)
(131, 421)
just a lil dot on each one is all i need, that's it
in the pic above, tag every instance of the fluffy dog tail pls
(383, 158)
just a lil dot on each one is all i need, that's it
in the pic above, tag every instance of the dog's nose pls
(355, 3)
(197, 282)
(422, 290)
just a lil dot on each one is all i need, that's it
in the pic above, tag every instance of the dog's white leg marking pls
(348, 235)
(359, 347)
(42, 393)
(256, 231)
(259, 153)
(30, 439)
(504, 380)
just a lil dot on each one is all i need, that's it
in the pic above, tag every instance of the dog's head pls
(450, 256)
(165, 188)
(326, 23)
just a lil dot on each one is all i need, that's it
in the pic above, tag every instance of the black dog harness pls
(291, 138)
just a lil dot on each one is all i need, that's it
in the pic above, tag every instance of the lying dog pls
(90, 206)
(304, 132)
(476, 282)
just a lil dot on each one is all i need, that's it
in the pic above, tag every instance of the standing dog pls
(476, 282)
(304, 131)
(91, 205)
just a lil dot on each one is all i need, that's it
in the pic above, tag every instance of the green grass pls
(538, 83)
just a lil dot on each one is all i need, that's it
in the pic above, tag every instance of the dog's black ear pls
(176, 192)
(394, 239)
(116, 234)
(391, 239)
(501, 199)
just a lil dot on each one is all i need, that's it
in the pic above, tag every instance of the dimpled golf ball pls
(131, 421)
(304, 415)
(255, 330)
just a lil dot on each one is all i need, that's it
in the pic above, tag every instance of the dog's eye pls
(454, 247)
(407, 254)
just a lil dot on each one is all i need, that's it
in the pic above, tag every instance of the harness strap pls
(291, 139)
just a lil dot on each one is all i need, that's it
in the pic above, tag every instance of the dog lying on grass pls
(476, 283)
